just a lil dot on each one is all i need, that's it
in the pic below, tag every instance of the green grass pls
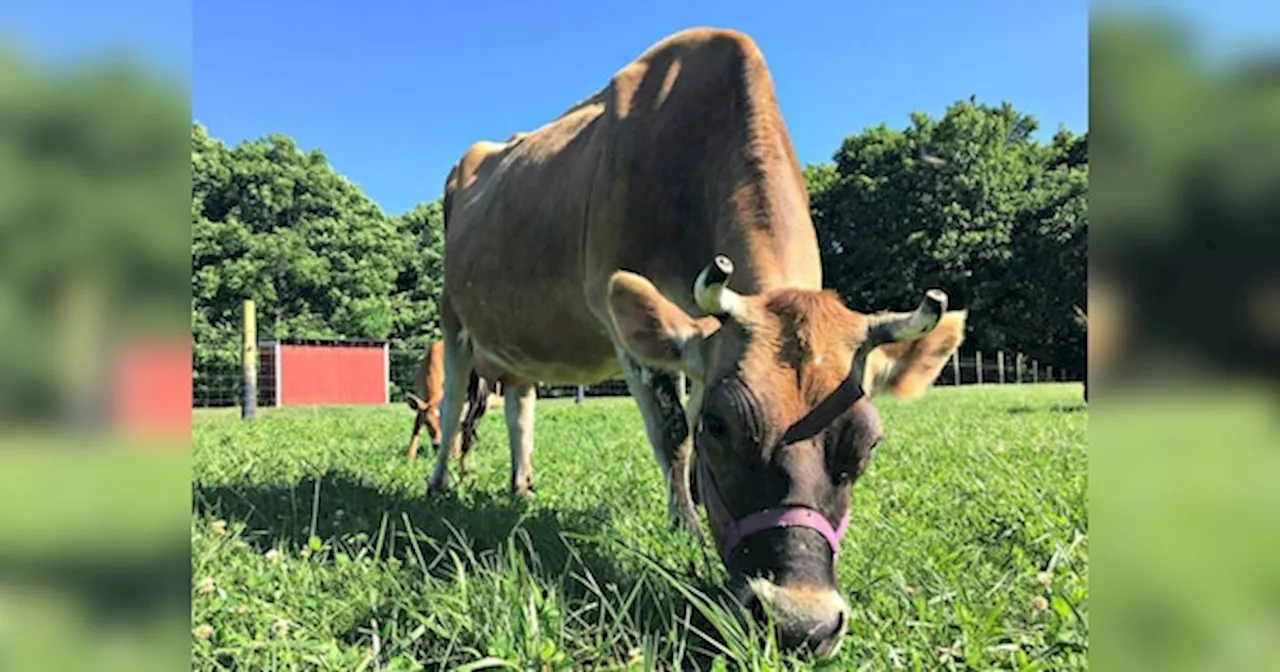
(967, 547)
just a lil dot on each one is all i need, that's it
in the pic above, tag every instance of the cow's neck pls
(723, 180)
(765, 226)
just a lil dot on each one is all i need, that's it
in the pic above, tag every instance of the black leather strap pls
(825, 413)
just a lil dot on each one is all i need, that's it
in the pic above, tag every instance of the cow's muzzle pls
(811, 618)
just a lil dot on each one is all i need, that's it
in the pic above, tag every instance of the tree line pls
(971, 202)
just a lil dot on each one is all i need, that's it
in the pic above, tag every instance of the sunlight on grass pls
(313, 545)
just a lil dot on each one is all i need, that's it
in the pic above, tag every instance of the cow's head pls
(783, 423)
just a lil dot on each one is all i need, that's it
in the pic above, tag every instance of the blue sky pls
(394, 93)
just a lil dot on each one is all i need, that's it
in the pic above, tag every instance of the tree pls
(418, 285)
(278, 225)
(969, 202)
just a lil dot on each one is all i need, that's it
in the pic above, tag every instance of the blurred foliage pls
(1190, 194)
(94, 182)
(973, 204)
(1183, 499)
(90, 171)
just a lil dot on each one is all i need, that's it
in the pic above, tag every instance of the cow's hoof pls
(437, 486)
(684, 520)
(524, 488)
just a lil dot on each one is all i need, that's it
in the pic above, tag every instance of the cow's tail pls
(477, 404)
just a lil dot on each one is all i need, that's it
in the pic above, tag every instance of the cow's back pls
(700, 164)
(682, 156)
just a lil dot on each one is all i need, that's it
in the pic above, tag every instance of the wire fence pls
(218, 379)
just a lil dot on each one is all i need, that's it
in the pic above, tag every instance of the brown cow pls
(429, 381)
(606, 241)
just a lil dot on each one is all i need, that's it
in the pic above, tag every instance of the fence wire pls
(217, 377)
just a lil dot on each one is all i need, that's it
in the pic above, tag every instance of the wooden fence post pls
(1000, 364)
(977, 364)
(1048, 373)
(955, 365)
(1017, 367)
(578, 394)
(249, 362)
(1035, 371)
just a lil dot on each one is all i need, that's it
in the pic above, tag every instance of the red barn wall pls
(151, 388)
(331, 375)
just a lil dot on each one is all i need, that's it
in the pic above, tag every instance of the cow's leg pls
(520, 400)
(419, 408)
(657, 394)
(419, 421)
(432, 420)
(460, 444)
(457, 367)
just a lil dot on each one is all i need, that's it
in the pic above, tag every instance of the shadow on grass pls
(1056, 408)
(346, 506)
(566, 543)
(106, 588)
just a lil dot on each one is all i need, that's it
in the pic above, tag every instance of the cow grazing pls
(662, 226)
(429, 381)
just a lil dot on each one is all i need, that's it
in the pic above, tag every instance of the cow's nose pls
(806, 617)
(823, 638)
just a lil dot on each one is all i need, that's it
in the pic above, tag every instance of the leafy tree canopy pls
(971, 203)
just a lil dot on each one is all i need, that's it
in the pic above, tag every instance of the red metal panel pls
(331, 375)
(151, 388)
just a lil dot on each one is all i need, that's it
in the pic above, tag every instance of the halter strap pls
(844, 396)
(733, 531)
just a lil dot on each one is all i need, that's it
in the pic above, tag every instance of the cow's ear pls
(653, 329)
(906, 370)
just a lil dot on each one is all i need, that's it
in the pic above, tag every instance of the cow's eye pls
(848, 449)
(712, 424)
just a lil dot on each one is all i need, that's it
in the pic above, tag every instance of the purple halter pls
(733, 531)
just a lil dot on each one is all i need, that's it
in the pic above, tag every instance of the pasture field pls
(314, 546)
